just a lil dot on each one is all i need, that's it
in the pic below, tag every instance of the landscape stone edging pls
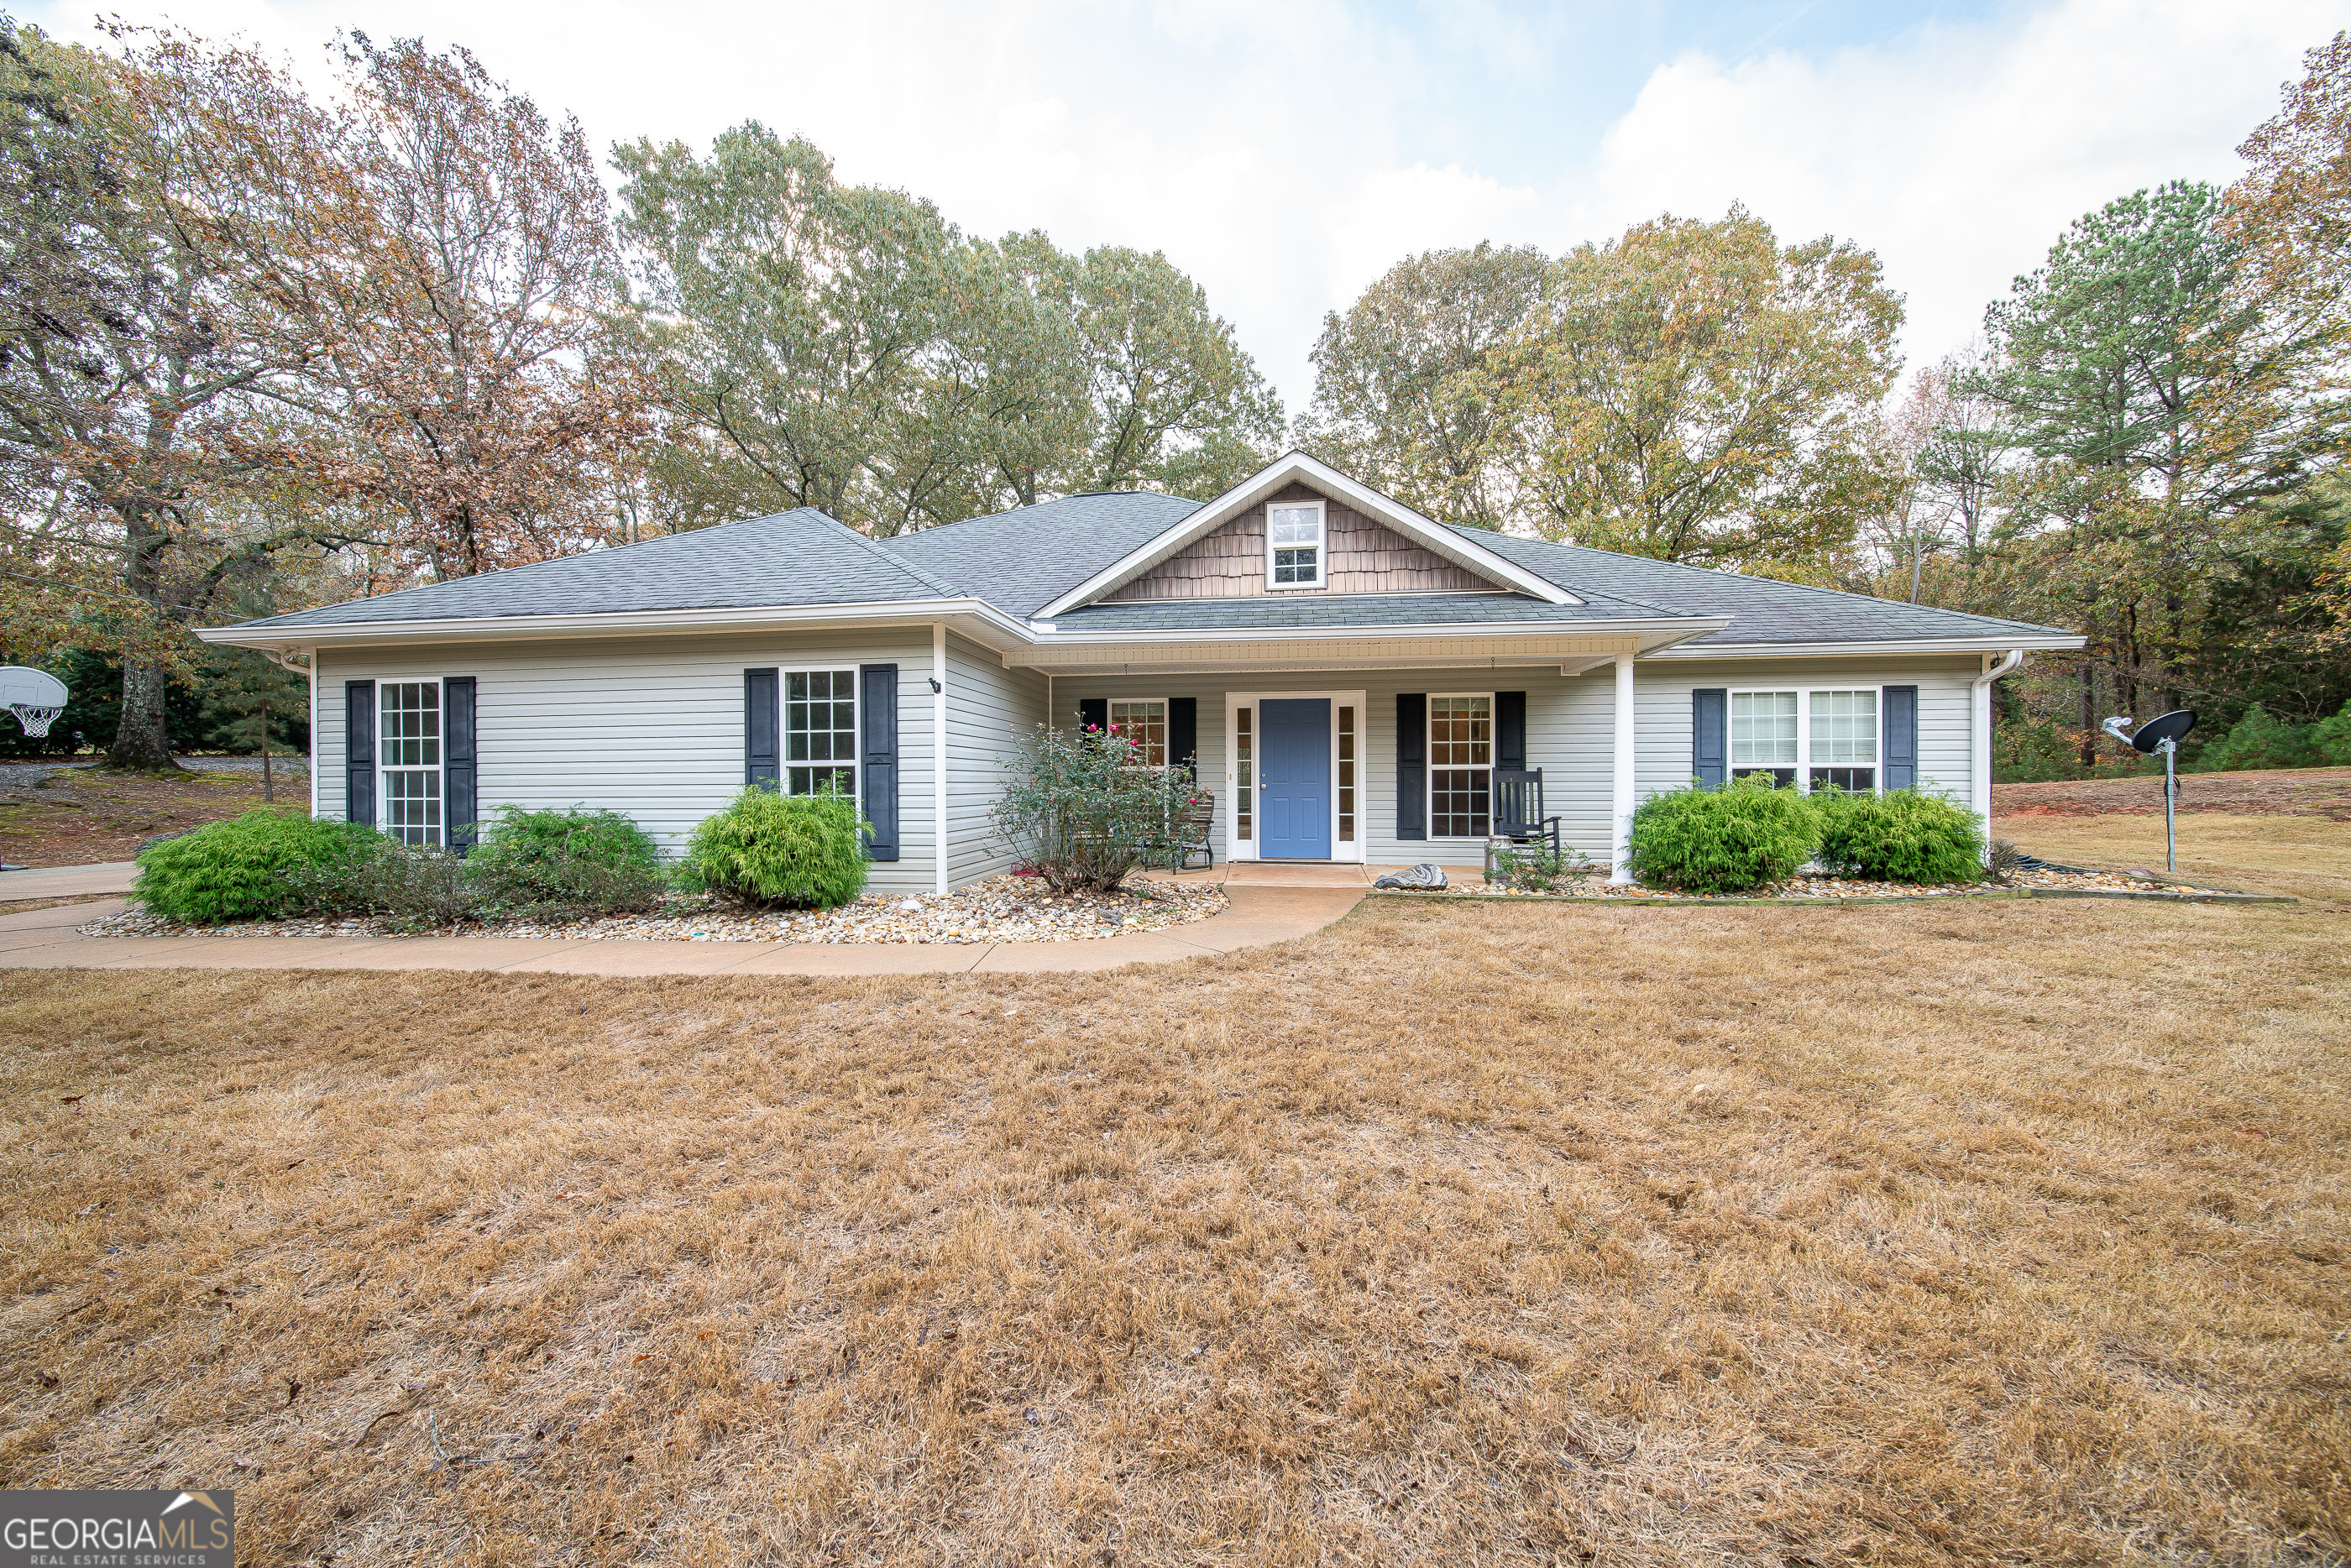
(1680, 902)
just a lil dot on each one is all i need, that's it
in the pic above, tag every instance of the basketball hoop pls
(35, 696)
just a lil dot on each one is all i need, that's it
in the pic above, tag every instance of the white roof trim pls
(1865, 648)
(1271, 481)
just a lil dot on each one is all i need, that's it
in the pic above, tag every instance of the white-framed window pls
(408, 759)
(1460, 764)
(821, 732)
(1763, 730)
(1842, 749)
(1816, 738)
(1293, 544)
(1143, 721)
(1243, 771)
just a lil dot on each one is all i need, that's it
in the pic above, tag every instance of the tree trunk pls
(140, 738)
(268, 779)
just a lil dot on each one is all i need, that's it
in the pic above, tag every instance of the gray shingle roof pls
(1020, 561)
(1761, 608)
(1276, 611)
(798, 557)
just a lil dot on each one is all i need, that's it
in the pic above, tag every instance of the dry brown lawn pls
(1958, 1233)
(2305, 856)
(87, 813)
(2295, 792)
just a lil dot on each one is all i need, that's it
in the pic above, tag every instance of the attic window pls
(1293, 541)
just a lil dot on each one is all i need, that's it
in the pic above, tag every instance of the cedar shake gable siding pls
(1364, 557)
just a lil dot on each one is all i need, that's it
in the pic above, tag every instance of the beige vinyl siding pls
(1364, 557)
(990, 709)
(650, 727)
(1662, 708)
(1568, 734)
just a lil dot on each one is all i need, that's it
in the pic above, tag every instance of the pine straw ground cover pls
(1454, 1234)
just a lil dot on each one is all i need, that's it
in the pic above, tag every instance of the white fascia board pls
(974, 618)
(1280, 475)
(1383, 647)
(1674, 629)
(1870, 648)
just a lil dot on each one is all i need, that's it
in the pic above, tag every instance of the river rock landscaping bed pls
(1807, 884)
(1001, 909)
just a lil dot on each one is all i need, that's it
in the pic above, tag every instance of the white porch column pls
(939, 753)
(1621, 799)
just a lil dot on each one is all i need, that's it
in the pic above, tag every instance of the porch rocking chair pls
(1518, 809)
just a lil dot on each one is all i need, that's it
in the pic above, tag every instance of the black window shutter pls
(762, 757)
(1411, 765)
(1711, 736)
(460, 761)
(1901, 736)
(359, 752)
(1093, 713)
(1509, 729)
(1184, 731)
(877, 692)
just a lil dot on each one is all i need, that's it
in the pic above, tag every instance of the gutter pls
(2051, 642)
(635, 623)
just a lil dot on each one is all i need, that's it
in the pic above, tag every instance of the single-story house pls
(1342, 673)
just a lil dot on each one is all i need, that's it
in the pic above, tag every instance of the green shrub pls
(2262, 740)
(802, 851)
(1900, 836)
(1722, 840)
(248, 867)
(413, 890)
(567, 863)
(1534, 869)
(1083, 813)
(2331, 738)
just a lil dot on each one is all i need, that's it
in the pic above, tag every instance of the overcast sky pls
(1286, 155)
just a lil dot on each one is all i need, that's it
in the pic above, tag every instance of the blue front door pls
(1294, 776)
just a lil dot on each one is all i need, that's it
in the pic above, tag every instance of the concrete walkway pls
(67, 881)
(1259, 915)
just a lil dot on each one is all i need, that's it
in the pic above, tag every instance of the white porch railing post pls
(1621, 801)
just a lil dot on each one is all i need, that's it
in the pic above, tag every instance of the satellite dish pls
(2164, 727)
(35, 696)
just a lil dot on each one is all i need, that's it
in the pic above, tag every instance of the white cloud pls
(1960, 154)
(1285, 155)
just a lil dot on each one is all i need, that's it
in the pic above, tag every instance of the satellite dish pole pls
(2161, 734)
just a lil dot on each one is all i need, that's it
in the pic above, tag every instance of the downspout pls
(939, 753)
(284, 659)
(1979, 720)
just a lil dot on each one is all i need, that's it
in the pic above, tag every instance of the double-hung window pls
(1822, 740)
(1295, 544)
(1144, 724)
(1844, 751)
(1764, 734)
(408, 751)
(1461, 766)
(820, 732)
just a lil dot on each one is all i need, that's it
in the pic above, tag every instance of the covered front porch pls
(1331, 760)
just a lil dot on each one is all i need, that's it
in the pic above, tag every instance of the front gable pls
(1366, 557)
(1388, 548)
